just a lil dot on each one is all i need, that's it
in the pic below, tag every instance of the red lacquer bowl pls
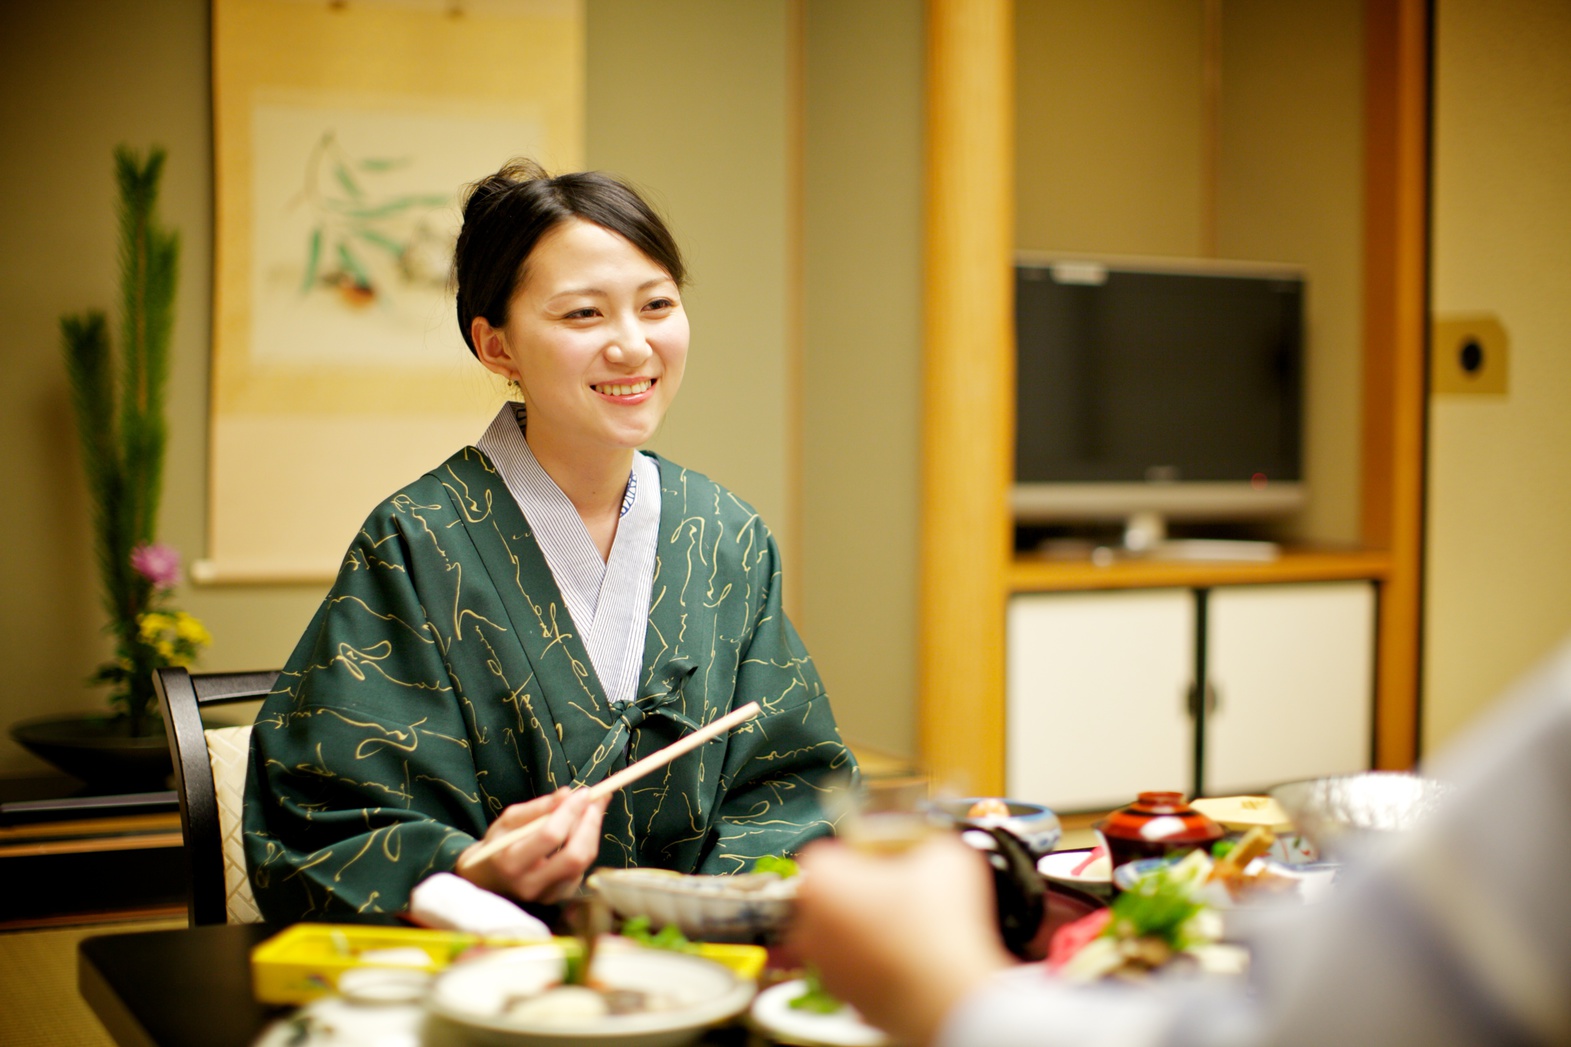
(1154, 826)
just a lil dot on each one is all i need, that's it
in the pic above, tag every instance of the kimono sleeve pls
(362, 781)
(781, 767)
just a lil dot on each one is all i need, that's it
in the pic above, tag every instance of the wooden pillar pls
(1396, 311)
(968, 384)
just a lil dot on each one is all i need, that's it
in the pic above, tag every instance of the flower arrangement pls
(119, 407)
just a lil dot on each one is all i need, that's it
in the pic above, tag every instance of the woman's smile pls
(627, 392)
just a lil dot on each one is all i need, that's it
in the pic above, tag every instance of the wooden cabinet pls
(1083, 668)
(1103, 689)
(1290, 670)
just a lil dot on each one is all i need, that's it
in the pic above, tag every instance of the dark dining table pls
(187, 987)
(191, 986)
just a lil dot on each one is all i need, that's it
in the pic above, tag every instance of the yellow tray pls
(306, 960)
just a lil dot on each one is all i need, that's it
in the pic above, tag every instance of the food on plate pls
(563, 1004)
(781, 866)
(1160, 922)
(668, 937)
(814, 997)
(1237, 870)
(988, 807)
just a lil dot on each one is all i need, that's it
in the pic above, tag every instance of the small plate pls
(1061, 867)
(333, 1021)
(773, 1015)
(469, 1001)
(1313, 881)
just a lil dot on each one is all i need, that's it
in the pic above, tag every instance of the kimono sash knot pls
(629, 716)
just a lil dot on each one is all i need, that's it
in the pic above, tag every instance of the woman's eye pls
(661, 303)
(581, 314)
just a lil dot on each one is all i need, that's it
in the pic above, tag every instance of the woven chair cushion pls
(228, 750)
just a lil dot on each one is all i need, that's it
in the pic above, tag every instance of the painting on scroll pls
(345, 133)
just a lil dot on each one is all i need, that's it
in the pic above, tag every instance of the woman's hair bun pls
(515, 172)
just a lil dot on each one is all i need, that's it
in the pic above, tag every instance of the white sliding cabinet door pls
(1293, 672)
(1096, 696)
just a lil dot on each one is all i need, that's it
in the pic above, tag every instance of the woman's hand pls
(547, 865)
(902, 939)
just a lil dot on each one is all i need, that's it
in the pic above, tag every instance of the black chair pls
(181, 698)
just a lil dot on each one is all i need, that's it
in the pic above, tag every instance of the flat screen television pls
(1163, 387)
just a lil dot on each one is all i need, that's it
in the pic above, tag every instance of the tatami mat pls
(42, 1007)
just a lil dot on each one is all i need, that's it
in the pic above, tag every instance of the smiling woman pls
(545, 607)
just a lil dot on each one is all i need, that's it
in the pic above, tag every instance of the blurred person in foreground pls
(1457, 933)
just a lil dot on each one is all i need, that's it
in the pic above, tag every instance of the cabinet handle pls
(1192, 701)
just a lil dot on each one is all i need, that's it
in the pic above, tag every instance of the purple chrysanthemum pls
(159, 564)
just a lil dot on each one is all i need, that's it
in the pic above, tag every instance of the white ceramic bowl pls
(467, 1005)
(737, 908)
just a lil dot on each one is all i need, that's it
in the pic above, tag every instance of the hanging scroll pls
(344, 135)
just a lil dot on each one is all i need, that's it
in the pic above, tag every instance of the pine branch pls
(85, 341)
(121, 423)
(149, 263)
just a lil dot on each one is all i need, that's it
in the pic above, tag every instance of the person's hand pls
(548, 864)
(902, 939)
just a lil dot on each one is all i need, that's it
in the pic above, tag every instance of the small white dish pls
(336, 1021)
(1072, 867)
(773, 1015)
(1311, 882)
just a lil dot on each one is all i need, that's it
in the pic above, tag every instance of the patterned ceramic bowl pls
(1346, 813)
(1032, 824)
(739, 908)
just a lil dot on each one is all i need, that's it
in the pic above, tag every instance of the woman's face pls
(595, 336)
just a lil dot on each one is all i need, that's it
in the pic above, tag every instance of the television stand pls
(1213, 549)
(1145, 535)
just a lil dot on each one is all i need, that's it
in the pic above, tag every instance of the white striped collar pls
(607, 600)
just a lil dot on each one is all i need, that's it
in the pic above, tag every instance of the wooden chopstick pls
(626, 776)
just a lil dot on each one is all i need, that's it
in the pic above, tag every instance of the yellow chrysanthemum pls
(191, 630)
(152, 623)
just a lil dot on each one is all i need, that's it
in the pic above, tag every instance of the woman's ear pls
(491, 348)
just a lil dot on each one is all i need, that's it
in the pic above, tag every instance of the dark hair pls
(506, 214)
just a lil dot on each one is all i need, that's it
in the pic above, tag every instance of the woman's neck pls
(594, 483)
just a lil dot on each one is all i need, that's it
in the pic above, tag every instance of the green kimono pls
(443, 679)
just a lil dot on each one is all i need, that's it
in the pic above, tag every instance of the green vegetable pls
(814, 998)
(1222, 848)
(573, 965)
(784, 868)
(668, 937)
(1158, 905)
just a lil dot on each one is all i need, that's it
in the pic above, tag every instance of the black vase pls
(100, 750)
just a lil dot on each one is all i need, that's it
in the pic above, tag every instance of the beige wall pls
(1499, 514)
(862, 360)
(1108, 126)
(1111, 160)
(687, 98)
(1290, 189)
